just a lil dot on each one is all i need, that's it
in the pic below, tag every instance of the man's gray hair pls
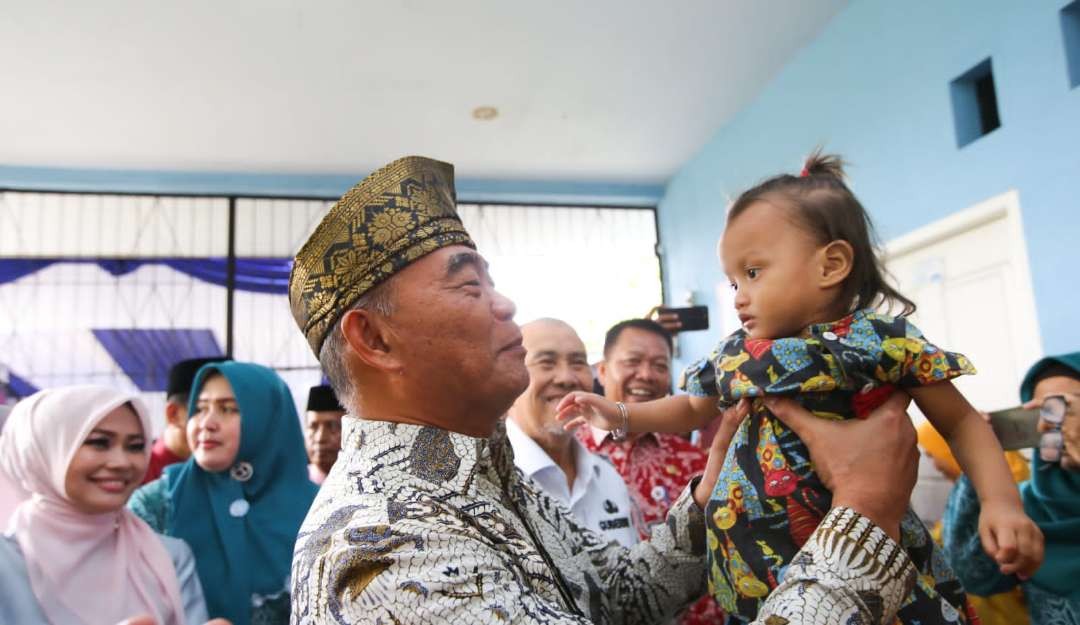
(332, 354)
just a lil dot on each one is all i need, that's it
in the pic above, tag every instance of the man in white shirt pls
(552, 456)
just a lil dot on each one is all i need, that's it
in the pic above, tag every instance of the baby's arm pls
(1007, 534)
(676, 413)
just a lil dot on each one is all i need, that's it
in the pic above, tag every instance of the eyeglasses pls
(1052, 442)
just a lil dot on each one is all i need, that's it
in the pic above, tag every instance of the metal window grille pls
(591, 266)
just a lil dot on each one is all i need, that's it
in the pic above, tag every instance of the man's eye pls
(734, 287)
(752, 272)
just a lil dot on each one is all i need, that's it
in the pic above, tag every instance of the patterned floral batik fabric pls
(420, 525)
(768, 499)
(656, 468)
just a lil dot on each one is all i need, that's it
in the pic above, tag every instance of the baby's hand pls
(1011, 538)
(579, 408)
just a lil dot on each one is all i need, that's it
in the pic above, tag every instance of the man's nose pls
(564, 376)
(502, 306)
(646, 372)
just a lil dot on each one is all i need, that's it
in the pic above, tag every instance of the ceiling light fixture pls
(485, 113)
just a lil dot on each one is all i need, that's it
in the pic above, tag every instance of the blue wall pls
(875, 88)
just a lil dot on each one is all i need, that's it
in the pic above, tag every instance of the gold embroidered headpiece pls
(393, 217)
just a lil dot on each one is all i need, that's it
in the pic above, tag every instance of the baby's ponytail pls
(819, 164)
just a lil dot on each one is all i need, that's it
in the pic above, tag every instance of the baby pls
(799, 253)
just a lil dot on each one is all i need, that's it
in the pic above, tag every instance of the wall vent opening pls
(975, 105)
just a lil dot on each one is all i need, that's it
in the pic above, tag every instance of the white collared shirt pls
(599, 498)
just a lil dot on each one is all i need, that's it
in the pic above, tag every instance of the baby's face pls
(775, 268)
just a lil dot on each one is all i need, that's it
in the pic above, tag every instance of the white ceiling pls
(598, 90)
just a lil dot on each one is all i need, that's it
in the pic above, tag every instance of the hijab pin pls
(241, 471)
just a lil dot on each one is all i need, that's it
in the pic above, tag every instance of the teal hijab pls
(1052, 499)
(238, 555)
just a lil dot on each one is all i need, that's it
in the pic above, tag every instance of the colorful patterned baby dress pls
(768, 499)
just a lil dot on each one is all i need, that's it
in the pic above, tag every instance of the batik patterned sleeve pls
(909, 360)
(699, 379)
(977, 571)
(702, 379)
(651, 581)
(849, 571)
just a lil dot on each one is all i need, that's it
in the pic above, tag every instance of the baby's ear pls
(836, 263)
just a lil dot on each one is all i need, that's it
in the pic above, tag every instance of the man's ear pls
(601, 372)
(369, 336)
(173, 412)
(837, 260)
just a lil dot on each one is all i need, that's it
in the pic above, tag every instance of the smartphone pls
(1016, 428)
(692, 317)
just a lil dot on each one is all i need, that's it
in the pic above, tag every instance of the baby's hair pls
(821, 203)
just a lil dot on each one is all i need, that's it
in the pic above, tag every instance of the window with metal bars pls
(112, 288)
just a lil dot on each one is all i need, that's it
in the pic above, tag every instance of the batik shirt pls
(420, 525)
(768, 500)
(656, 468)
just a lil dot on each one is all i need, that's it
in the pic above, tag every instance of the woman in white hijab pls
(73, 553)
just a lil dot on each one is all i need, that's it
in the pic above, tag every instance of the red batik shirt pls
(160, 457)
(656, 468)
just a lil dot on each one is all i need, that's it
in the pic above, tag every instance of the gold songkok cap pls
(393, 217)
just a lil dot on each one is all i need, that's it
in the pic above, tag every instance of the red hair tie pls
(804, 173)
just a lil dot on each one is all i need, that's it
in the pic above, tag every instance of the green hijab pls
(1052, 499)
(242, 528)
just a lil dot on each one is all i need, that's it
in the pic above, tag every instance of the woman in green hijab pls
(1051, 498)
(240, 499)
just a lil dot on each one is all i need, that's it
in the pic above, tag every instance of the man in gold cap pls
(424, 518)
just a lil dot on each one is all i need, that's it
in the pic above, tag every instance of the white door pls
(968, 274)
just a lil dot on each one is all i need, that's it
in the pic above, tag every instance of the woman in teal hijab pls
(240, 499)
(1051, 498)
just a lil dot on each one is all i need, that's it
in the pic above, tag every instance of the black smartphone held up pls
(691, 317)
(1016, 428)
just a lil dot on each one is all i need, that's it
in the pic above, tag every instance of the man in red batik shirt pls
(655, 466)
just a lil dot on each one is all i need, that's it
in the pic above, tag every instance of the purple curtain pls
(11, 269)
(19, 386)
(146, 355)
(260, 275)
